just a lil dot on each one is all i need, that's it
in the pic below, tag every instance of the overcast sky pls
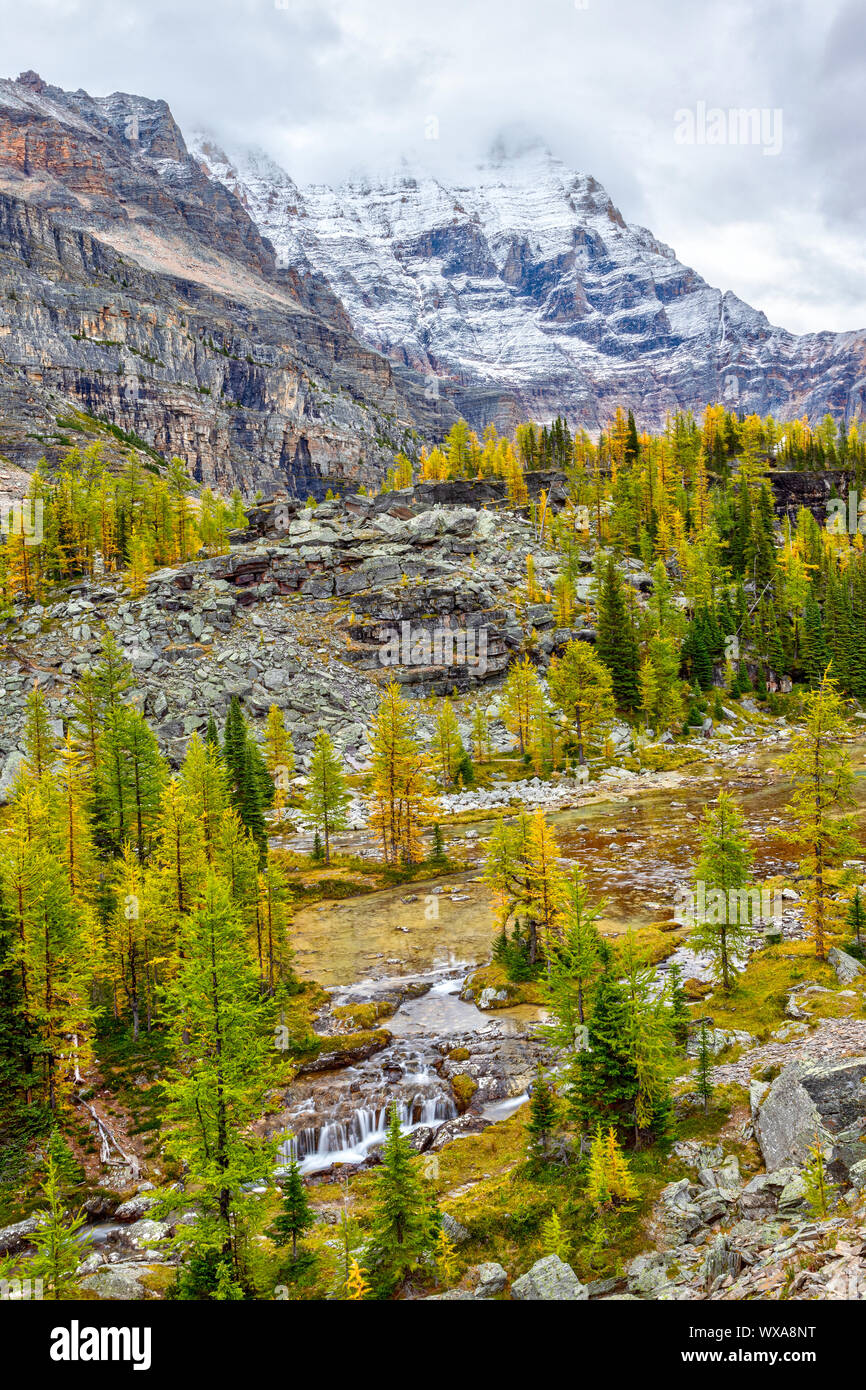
(332, 87)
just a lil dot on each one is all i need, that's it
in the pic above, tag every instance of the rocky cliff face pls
(137, 289)
(523, 289)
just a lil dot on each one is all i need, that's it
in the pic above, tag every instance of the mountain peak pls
(517, 144)
(30, 79)
(521, 284)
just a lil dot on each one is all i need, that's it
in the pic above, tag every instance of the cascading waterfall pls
(349, 1140)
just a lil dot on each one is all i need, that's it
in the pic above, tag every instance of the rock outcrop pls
(136, 290)
(809, 1099)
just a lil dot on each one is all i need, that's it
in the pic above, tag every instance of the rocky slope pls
(296, 614)
(523, 288)
(137, 289)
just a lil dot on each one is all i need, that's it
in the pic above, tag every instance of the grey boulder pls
(549, 1280)
(827, 1099)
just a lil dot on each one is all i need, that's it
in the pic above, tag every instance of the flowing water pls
(338, 1117)
(635, 849)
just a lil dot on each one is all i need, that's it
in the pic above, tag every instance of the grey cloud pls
(342, 85)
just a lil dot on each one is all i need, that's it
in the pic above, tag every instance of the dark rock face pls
(793, 489)
(136, 289)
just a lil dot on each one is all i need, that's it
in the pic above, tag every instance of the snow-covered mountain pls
(527, 291)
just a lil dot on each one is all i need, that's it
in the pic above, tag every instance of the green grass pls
(757, 1002)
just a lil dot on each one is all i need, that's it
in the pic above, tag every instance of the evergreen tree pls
(402, 1218)
(679, 1016)
(438, 844)
(327, 797)
(58, 1249)
(543, 1116)
(295, 1215)
(857, 916)
(603, 1080)
(616, 643)
(820, 770)
(815, 656)
(721, 873)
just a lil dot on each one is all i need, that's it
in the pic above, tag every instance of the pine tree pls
(543, 1117)
(58, 1249)
(235, 740)
(249, 783)
(857, 916)
(401, 1228)
(616, 643)
(679, 1016)
(581, 686)
(327, 796)
(438, 855)
(220, 1029)
(603, 1080)
(721, 874)
(815, 655)
(822, 778)
(295, 1215)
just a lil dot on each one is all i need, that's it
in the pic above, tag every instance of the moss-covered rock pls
(464, 1088)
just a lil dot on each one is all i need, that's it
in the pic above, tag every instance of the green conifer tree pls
(295, 1215)
(402, 1220)
(616, 642)
(327, 797)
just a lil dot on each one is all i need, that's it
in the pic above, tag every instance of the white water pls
(501, 1109)
(350, 1141)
